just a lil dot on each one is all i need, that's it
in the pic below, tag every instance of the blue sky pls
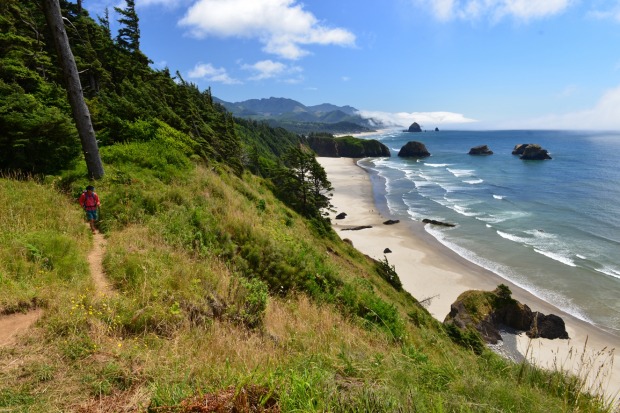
(447, 63)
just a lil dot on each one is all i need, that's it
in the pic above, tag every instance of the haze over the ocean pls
(454, 64)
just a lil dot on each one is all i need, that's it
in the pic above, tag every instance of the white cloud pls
(610, 13)
(207, 71)
(604, 115)
(445, 10)
(424, 119)
(568, 91)
(268, 69)
(282, 26)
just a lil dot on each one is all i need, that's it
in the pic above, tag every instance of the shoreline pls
(429, 269)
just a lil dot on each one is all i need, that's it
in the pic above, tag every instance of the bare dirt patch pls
(248, 399)
(12, 325)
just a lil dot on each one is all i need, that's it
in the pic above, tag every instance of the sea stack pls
(531, 151)
(414, 127)
(480, 150)
(414, 149)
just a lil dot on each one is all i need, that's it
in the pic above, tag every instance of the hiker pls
(89, 200)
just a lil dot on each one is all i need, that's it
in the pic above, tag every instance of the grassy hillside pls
(221, 289)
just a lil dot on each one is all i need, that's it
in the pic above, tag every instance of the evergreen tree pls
(129, 34)
(303, 182)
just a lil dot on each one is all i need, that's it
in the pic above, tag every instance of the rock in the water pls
(341, 215)
(387, 251)
(535, 153)
(414, 149)
(531, 151)
(435, 222)
(391, 222)
(436, 129)
(519, 148)
(414, 127)
(480, 150)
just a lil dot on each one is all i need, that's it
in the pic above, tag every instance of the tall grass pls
(219, 286)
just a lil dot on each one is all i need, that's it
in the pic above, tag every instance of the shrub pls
(388, 273)
(248, 301)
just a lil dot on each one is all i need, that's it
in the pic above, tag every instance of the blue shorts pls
(91, 215)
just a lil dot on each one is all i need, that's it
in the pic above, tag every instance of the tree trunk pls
(81, 114)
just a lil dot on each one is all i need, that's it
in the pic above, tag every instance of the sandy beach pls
(429, 270)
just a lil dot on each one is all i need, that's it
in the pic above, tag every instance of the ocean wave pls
(539, 233)
(512, 237)
(557, 257)
(460, 173)
(500, 197)
(463, 210)
(503, 216)
(612, 272)
(559, 300)
(474, 181)
(437, 165)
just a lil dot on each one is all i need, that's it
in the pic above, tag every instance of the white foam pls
(437, 165)
(557, 257)
(500, 197)
(474, 181)
(560, 301)
(581, 256)
(609, 271)
(512, 237)
(460, 173)
(504, 216)
(539, 233)
(463, 210)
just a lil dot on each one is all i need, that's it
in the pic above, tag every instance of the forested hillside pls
(218, 284)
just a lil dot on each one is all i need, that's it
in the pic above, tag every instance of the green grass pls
(217, 286)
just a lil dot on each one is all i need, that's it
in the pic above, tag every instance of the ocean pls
(551, 227)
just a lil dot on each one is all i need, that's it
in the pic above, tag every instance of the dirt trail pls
(95, 262)
(12, 325)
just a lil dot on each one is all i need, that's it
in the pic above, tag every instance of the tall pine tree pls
(129, 34)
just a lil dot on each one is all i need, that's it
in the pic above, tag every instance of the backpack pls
(93, 205)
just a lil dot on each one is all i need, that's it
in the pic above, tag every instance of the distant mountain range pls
(299, 118)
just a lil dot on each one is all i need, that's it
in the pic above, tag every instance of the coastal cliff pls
(347, 147)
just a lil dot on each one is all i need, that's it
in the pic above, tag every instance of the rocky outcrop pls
(323, 146)
(387, 251)
(414, 149)
(414, 127)
(547, 326)
(347, 147)
(490, 311)
(434, 222)
(480, 150)
(357, 228)
(391, 222)
(531, 151)
(341, 215)
(535, 153)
